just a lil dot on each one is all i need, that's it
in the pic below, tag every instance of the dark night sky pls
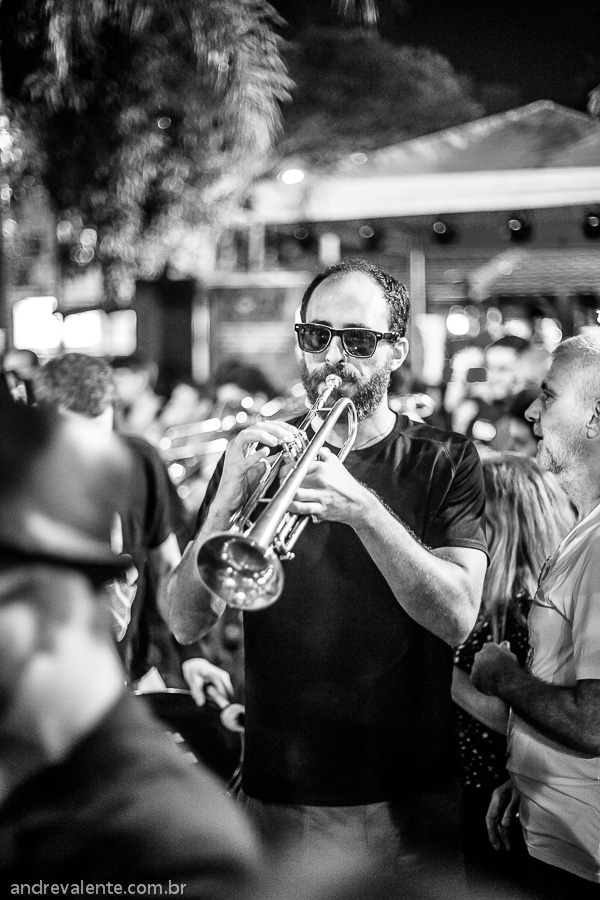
(547, 50)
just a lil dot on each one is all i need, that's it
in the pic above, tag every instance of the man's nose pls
(532, 413)
(335, 351)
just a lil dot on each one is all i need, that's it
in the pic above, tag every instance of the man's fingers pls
(248, 462)
(197, 690)
(308, 495)
(308, 502)
(491, 824)
(272, 434)
(504, 833)
(308, 509)
(221, 682)
(499, 817)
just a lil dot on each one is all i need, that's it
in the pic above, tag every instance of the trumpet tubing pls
(243, 567)
(183, 442)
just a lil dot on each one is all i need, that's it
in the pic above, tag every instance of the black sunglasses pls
(359, 342)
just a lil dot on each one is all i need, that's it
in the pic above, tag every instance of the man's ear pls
(593, 424)
(400, 352)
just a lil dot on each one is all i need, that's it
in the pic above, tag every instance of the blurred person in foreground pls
(90, 787)
(554, 730)
(82, 386)
(526, 516)
(348, 711)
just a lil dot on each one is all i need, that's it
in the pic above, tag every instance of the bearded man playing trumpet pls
(348, 710)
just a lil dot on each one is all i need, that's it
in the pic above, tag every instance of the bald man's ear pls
(593, 424)
(400, 352)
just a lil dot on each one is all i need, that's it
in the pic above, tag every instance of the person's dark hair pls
(135, 361)
(512, 341)
(76, 382)
(138, 364)
(395, 293)
(202, 388)
(246, 376)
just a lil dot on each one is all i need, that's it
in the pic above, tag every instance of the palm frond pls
(232, 41)
(362, 11)
(107, 74)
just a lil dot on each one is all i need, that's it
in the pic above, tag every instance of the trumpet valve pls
(294, 447)
(280, 548)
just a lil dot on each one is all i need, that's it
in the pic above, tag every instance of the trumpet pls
(243, 566)
(184, 442)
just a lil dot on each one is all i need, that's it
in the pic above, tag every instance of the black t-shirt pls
(347, 697)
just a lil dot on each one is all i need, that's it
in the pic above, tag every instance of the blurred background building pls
(125, 230)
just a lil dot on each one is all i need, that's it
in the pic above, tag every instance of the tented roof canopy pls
(540, 135)
(535, 156)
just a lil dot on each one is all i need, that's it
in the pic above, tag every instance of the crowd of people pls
(421, 704)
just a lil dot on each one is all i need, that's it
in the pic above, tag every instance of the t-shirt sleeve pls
(586, 615)
(209, 495)
(458, 519)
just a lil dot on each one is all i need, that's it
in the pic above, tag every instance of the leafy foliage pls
(363, 11)
(356, 91)
(149, 115)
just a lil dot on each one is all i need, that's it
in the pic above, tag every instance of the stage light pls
(591, 225)
(330, 248)
(305, 237)
(291, 176)
(442, 232)
(458, 322)
(370, 237)
(519, 229)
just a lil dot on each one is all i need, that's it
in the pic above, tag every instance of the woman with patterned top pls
(527, 515)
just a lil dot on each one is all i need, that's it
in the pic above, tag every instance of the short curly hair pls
(394, 291)
(76, 382)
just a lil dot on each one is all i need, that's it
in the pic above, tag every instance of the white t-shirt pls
(560, 788)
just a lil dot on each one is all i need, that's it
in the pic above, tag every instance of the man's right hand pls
(242, 468)
(501, 815)
(191, 606)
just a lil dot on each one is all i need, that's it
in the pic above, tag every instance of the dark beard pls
(367, 395)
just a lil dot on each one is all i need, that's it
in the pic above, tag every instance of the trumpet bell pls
(240, 571)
